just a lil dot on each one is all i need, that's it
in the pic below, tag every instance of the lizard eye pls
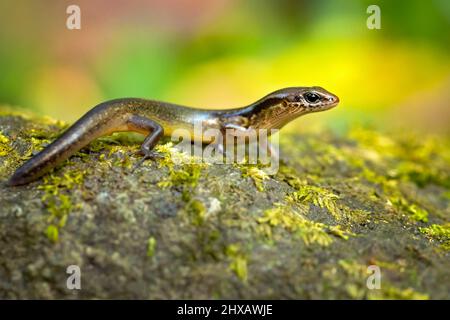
(311, 97)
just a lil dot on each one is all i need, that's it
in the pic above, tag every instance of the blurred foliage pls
(230, 53)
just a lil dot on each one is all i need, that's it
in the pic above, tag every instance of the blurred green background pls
(228, 53)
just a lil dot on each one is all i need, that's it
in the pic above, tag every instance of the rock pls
(337, 205)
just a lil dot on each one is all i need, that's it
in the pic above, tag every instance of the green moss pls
(151, 247)
(314, 232)
(398, 266)
(393, 293)
(55, 183)
(357, 289)
(185, 178)
(318, 196)
(373, 140)
(256, 174)
(57, 198)
(52, 233)
(353, 268)
(196, 211)
(339, 232)
(184, 171)
(414, 211)
(238, 262)
(421, 174)
(439, 233)
(121, 159)
(5, 148)
(423, 159)
(59, 206)
(186, 175)
(326, 199)
(291, 177)
(291, 220)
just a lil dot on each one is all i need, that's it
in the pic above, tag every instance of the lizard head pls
(283, 106)
(308, 99)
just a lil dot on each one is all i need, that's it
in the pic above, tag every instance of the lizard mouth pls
(333, 101)
(327, 104)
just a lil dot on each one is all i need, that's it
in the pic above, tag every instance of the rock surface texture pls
(337, 205)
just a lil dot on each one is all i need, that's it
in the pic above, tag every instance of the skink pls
(155, 119)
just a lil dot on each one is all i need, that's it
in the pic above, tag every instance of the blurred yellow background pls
(229, 53)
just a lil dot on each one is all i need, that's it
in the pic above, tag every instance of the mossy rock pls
(337, 205)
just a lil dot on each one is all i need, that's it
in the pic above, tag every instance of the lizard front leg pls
(147, 126)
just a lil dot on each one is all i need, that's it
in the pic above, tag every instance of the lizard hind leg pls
(154, 132)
